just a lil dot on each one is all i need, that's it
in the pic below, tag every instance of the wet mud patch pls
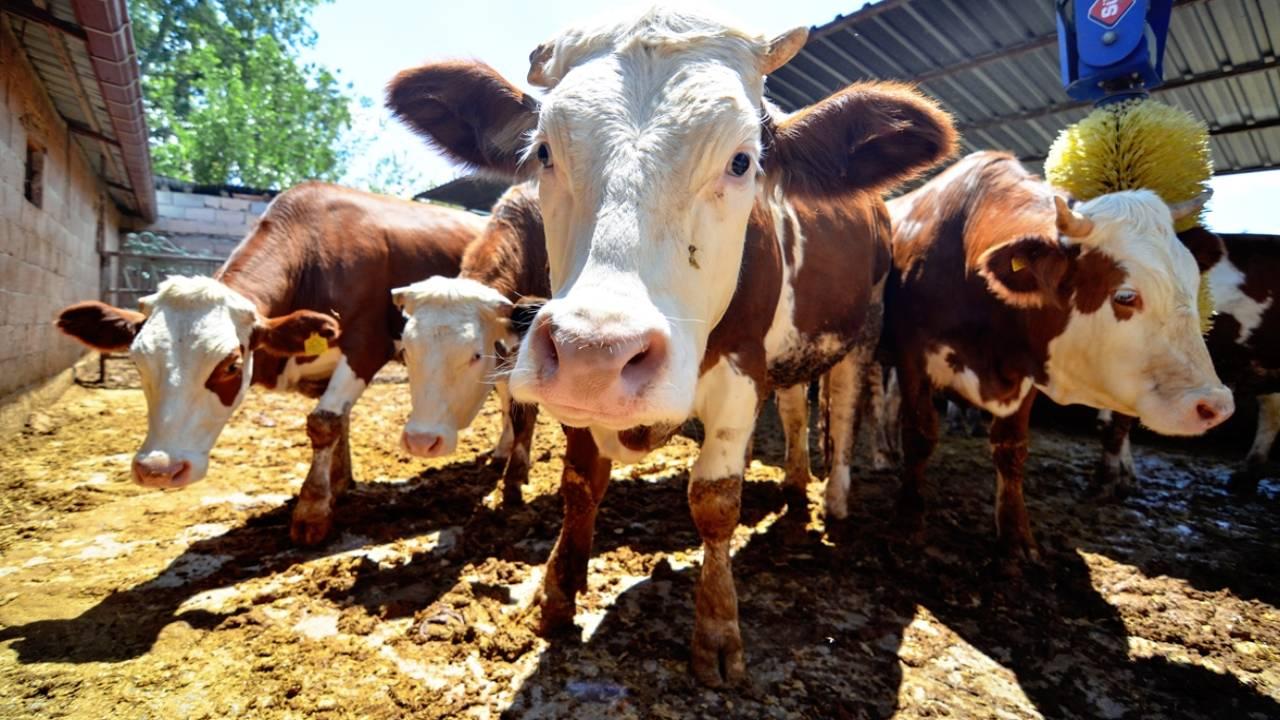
(118, 601)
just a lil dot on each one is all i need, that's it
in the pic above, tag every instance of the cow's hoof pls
(908, 525)
(1244, 482)
(511, 496)
(1021, 547)
(309, 532)
(717, 659)
(552, 615)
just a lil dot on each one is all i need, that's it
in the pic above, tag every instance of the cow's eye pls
(1127, 298)
(544, 155)
(233, 367)
(740, 164)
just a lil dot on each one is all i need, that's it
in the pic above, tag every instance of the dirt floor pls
(117, 601)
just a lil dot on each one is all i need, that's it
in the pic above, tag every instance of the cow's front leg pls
(328, 426)
(582, 487)
(502, 450)
(1009, 450)
(727, 405)
(1114, 477)
(1245, 481)
(793, 410)
(919, 420)
(523, 419)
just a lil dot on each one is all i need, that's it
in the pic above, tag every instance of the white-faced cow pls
(460, 331)
(320, 255)
(662, 176)
(1000, 291)
(1244, 342)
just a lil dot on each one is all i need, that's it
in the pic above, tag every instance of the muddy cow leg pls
(1009, 450)
(891, 417)
(872, 411)
(846, 383)
(1246, 480)
(919, 419)
(793, 409)
(502, 450)
(523, 419)
(1114, 476)
(328, 426)
(728, 403)
(582, 487)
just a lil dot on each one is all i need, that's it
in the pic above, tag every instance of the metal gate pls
(137, 269)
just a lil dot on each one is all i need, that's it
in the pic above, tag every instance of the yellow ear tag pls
(1017, 263)
(315, 345)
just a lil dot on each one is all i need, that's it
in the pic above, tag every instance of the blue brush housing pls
(1109, 50)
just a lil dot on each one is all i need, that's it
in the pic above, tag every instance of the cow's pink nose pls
(603, 363)
(161, 472)
(423, 444)
(1215, 408)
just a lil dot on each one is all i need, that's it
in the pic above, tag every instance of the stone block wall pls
(49, 254)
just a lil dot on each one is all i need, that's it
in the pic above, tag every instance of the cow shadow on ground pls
(126, 623)
(830, 628)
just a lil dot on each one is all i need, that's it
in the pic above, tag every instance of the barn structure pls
(74, 170)
(994, 65)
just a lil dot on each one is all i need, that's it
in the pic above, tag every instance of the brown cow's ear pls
(468, 111)
(1026, 273)
(869, 136)
(100, 326)
(1206, 247)
(303, 332)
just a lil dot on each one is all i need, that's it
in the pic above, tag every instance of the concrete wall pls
(48, 255)
(207, 224)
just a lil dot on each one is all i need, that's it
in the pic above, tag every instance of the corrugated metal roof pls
(994, 64)
(474, 192)
(82, 51)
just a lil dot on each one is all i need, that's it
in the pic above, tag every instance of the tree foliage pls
(228, 98)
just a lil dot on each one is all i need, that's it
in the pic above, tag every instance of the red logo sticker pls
(1109, 12)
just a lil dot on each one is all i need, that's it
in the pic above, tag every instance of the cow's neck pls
(267, 276)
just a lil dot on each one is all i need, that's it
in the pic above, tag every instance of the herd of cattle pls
(674, 247)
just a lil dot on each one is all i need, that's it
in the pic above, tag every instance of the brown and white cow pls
(1000, 291)
(320, 255)
(459, 333)
(1244, 342)
(665, 181)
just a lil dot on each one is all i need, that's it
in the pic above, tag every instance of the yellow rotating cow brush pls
(1111, 52)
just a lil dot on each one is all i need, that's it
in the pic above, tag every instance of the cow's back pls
(340, 251)
(510, 254)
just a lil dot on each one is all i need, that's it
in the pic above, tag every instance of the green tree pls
(229, 100)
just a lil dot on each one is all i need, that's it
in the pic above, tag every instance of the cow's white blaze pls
(449, 339)
(1153, 365)
(645, 220)
(192, 325)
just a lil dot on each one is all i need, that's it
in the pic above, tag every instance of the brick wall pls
(48, 254)
(208, 224)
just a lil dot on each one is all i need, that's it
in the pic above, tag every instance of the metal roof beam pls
(26, 10)
(1235, 72)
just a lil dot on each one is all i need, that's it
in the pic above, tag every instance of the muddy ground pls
(121, 602)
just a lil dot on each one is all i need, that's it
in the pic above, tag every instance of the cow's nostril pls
(1206, 411)
(638, 358)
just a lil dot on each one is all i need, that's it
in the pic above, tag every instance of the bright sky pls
(369, 46)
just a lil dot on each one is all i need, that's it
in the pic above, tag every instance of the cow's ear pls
(1205, 246)
(100, 326)
(869, 136)
(302, 332)
(1026, 273)
(468, 111)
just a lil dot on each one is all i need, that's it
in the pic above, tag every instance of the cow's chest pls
(948, 371)
(305, 374)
